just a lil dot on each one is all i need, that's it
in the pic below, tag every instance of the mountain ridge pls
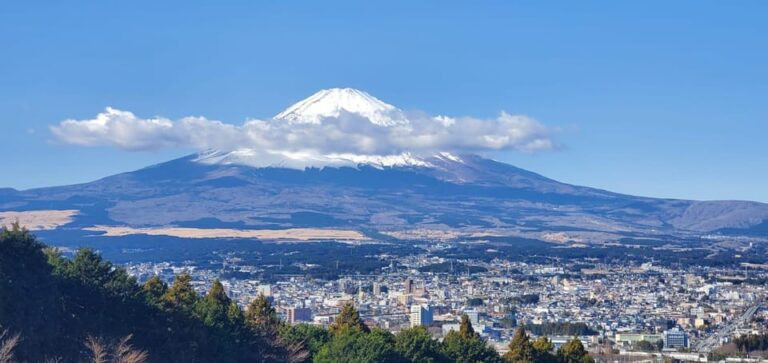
(472, 194)
(463, 192)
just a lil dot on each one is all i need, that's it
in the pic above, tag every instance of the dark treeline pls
(85, 309)
(55, 304)
(525, 299)
(752, 343)
(535, 251)
(557, 328)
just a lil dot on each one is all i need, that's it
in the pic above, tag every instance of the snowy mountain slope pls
(332, 102)
(464, 192)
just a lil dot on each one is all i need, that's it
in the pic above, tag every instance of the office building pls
(675, 338)
(421, 315)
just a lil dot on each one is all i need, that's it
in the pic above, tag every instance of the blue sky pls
(651, 98)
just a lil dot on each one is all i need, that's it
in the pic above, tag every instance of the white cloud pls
(347, 133)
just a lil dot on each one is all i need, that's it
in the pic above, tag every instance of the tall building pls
(408, 286)
(675, 338)
(376, 289)
(296, 314)
(421, 315)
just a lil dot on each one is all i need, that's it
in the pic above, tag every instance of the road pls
(713, 341)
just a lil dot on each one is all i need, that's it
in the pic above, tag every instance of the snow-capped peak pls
(301, 160)
(331, 102)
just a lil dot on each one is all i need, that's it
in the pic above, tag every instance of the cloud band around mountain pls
(345, 133)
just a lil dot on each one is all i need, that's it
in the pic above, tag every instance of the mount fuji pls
(332, 102)
(327, 104)
(455, 194)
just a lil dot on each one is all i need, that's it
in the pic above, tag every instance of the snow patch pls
(301, 160)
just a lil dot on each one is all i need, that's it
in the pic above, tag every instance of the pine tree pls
(348, 318)
(154, 289)
(235, 315)
(520, 348)
(466, 346)
(213, 308)
(181, 295)
(417, 345)
(465, 329)
(543, 345)
(543, 348)
(354, 346)
(573, 352)
(260, 315)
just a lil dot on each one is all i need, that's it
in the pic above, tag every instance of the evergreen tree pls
(181, 295)
(543, 345)
(351, 345)
(213, 308)
(417, 345)
(465, 328)
(260, 315)
(520, 348)
(55, 303)
(543, 348)
(28, 293)
(154, 289)
(235, 315)
(573, 352)
(348, 318)
(466, 346)
(310, 337)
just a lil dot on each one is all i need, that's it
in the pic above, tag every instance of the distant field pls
(39, 219)
(298, 234)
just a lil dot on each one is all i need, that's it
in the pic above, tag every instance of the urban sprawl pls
(637, 311)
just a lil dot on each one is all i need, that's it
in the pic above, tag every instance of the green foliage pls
(543, 349)
(213, 308)
(465, 328)
(468, 350)
(311, 337)
(526, 299)
(645, 346)
(417, 345)
(348, 319)
(154, 289)
(55, 303)
(28, 293)
(543, 345)
(559, 328)
(520, 348)
(181, 295)
(466, 346)
(350, 345)
(573, 352)
(235, 315)
(262, 316)
(752, 342)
